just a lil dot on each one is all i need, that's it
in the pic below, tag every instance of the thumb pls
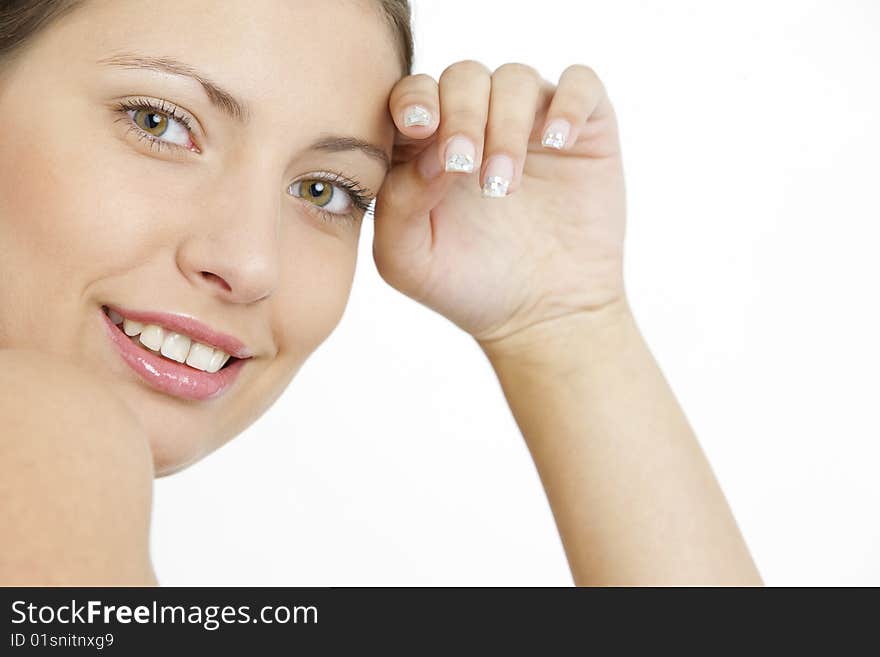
(402, 221)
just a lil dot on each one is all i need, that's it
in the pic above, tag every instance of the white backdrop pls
(751, 134)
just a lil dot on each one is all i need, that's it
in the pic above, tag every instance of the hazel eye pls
(160, 126)
(323, 194)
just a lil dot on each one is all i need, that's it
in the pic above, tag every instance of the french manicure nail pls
(460, 155)
(499, 173)
(556, 134)
(416, 115)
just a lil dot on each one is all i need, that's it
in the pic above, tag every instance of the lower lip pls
(168, 376)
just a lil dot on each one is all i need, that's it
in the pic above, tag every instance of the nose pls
(232, 246)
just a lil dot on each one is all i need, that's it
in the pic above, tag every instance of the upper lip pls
(190, 326)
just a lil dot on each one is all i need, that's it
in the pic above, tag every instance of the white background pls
(751, 137)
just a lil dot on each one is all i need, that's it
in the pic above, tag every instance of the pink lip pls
(191, 327)
(169, 376)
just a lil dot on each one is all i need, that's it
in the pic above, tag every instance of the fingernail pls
(416, 115)
(499, 173)
(460, 154)
(556, 134)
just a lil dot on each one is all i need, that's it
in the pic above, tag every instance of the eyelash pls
(360, 197)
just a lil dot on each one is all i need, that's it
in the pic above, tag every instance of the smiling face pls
(124, 183)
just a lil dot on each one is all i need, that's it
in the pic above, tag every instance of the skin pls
(95, 215)
(76, 478)
(536, 277)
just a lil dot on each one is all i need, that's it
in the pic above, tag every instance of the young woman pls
(182, 187)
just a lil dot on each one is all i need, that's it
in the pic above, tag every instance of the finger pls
(413, 188)
(512, 105)
(464, 108)
(579, 96)
(402, 221)
(414, 103)
(414, 185)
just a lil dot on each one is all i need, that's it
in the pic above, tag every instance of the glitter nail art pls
(460, 153)
(460, 163)
(556, 134)
(495, 187)
(416, 115)
(499, 172)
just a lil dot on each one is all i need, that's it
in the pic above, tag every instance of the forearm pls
(634, 498)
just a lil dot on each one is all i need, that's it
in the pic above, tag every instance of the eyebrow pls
(235, 108)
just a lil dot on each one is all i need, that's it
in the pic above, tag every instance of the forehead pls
(333, 61)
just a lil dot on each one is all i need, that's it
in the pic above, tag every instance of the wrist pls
(557, 342)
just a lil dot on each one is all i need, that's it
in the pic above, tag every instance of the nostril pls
(217, 279)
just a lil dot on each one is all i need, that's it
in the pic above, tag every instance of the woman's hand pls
(496, 265)
(536, 278)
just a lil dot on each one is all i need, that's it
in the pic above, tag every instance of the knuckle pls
(583, 74)
(584, 86)
(465, 66)
(421, 78)
(508, 127)
(516, 69)
(578, 96)
(415, 86)
(464, 116)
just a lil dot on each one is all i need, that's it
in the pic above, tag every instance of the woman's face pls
(205, 222)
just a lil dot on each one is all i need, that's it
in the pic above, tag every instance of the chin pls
(174, 454)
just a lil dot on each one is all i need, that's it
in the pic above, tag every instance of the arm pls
(75, 478)
(632, 494)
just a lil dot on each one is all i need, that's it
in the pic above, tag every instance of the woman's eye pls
(161, 127)
(321, 193)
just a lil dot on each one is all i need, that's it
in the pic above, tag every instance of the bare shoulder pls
(76, 478)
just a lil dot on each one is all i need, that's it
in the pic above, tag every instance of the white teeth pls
(152, 337)
(199, 356)
(217, 360)
(132, 328)
(175, 346)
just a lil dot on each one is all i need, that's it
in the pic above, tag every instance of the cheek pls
(64, 205)
(316, 280)
(55, 235)
(313, 290)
